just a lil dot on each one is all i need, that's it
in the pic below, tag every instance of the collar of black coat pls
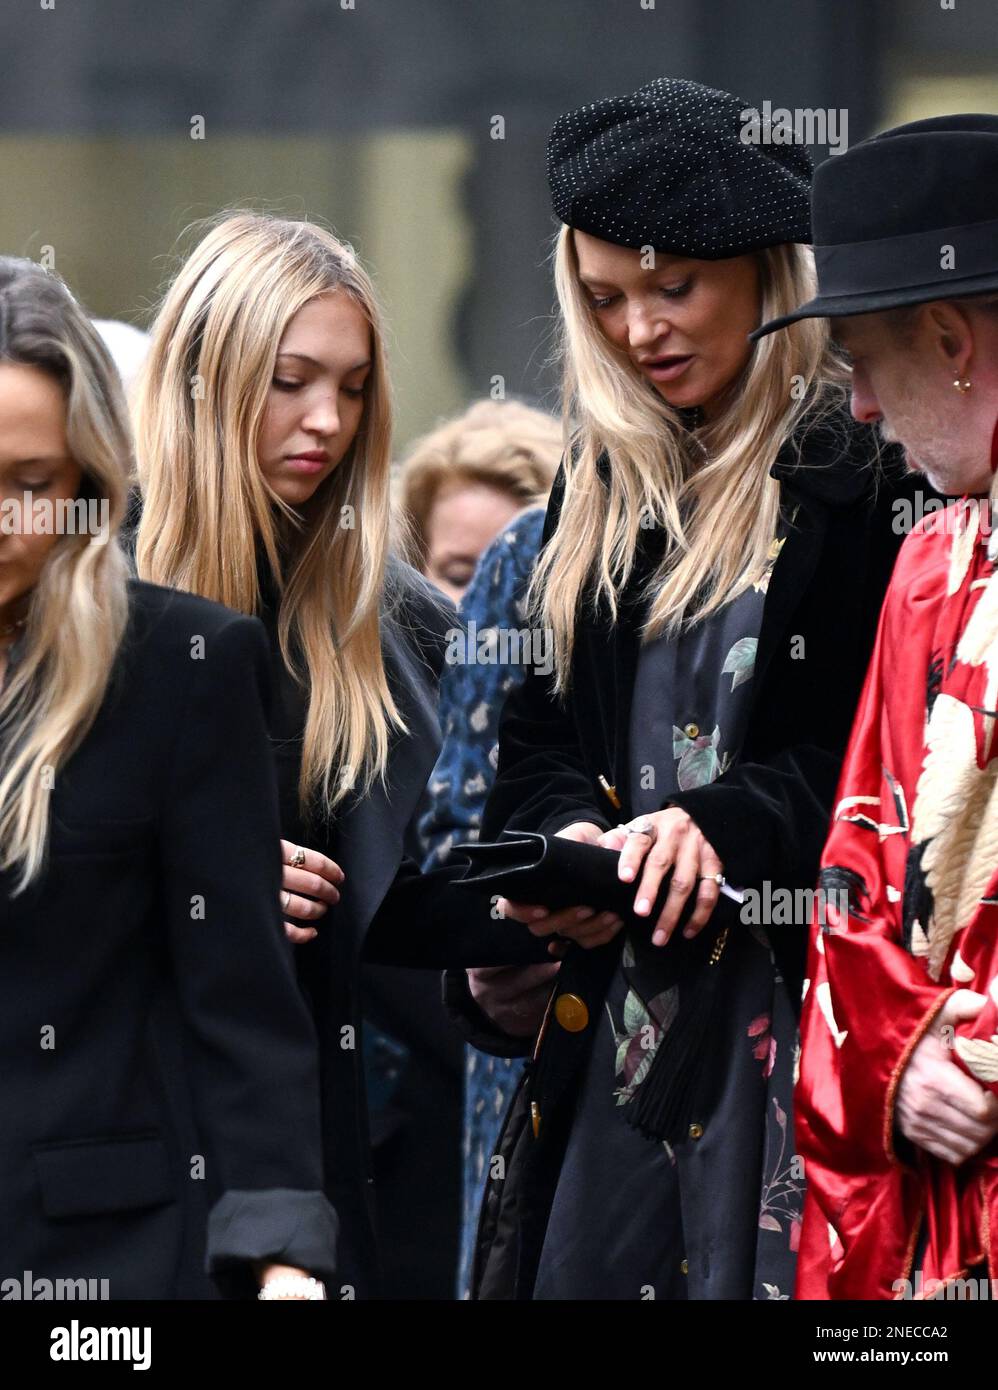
(834, 460)
(830, 457)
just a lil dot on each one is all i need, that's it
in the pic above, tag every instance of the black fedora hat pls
(906, 217)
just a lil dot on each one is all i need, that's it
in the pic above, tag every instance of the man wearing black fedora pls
(897, 1104)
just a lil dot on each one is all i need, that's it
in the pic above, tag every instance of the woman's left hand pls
(675, 842)
(307, 872)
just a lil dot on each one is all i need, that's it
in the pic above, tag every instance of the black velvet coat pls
(767, 816)
(158, 1060)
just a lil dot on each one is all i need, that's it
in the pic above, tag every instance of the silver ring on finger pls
(642, 827)
(719, 879)
(298, 857)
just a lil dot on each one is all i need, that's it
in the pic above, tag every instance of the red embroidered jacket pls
(914, 843)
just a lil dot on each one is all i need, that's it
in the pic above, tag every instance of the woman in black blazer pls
(264, 454)
(159, 1081)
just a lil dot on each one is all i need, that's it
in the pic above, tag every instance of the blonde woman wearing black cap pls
(718, 541)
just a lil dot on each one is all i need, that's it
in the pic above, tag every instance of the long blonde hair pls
(79, 608)
(709, 492)
(206, 507)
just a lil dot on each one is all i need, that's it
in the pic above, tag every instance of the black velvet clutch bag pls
(528, 867)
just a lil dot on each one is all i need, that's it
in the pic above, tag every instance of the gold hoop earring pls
(962, 386)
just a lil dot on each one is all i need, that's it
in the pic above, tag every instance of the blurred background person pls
(467, 479)
(460, 484)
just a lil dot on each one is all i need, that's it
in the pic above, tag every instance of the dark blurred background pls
(378, 116)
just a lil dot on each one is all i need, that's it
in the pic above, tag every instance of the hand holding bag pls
(528, 867)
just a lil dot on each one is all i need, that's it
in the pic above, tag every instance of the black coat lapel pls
(373, 832)
(791, 576)
(825, 468)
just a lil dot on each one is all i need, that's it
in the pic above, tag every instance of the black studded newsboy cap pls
(906, 217)
(674, 166)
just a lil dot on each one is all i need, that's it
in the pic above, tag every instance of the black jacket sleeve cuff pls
(726, 822)
(555, 823)
(475, 1026)
(279, 1225)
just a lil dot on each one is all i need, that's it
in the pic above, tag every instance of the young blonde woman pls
(264, 438)
(153, 1036)
(718, 543)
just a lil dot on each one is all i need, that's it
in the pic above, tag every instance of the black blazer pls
(767, 816)
(158, 1060)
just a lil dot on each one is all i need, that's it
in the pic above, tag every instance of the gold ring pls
(298, 858)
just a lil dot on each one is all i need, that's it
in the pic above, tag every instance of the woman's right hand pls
(579, 924)
(307, 889)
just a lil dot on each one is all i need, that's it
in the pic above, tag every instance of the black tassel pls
(666, 1100)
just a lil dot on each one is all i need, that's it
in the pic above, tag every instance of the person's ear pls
(951, 338)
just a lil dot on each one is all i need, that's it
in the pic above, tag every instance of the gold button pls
(571, 1013)
(696, 1131)
(684, 1268)
(692, 731)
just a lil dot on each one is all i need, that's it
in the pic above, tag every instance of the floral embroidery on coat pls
(771, 1036)
(643, 1026)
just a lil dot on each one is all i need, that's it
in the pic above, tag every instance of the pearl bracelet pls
(292, 1286)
